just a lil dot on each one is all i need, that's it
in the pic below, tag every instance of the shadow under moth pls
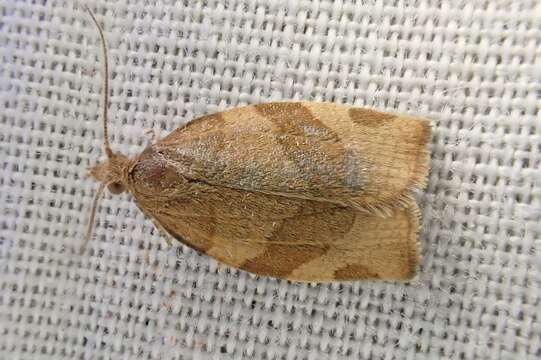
(302, 191)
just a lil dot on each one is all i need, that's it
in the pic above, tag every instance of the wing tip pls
(419, 178)
(414, 248)
(422, 164)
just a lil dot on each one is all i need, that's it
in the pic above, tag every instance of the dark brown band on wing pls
(369, 118)
(296, 119)
(314, 234)
(355, 272)
(315, 149)
(281, 260)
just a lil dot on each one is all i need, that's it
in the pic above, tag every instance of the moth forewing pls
(291, 238)
(320, 151)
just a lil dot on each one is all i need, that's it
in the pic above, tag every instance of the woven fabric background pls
(472, 67)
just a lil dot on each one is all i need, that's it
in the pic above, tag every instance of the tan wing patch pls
(373, 248)
(200, 126)
(197, 243)
(393, 148)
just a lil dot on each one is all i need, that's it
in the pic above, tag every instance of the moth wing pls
(346, 155)
(299, 240)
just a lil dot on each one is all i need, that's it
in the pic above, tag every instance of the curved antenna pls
(105, 89)
(90, 227)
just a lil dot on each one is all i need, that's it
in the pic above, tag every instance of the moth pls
(302, 191)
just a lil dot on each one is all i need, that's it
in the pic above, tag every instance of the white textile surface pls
(472, 67)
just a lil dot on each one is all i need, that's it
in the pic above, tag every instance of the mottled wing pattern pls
(359, 247)
(289, 238)
(283, 189)
(350, 156)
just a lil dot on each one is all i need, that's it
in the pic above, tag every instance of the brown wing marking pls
(306, 238)
(370, 118)
(313, 147)
(355, 272)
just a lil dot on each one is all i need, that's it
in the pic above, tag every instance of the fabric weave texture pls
(472, 67)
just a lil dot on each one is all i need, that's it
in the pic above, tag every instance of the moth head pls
(112, 173)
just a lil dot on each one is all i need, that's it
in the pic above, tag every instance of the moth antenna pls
(105, 88)
(90, 227)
